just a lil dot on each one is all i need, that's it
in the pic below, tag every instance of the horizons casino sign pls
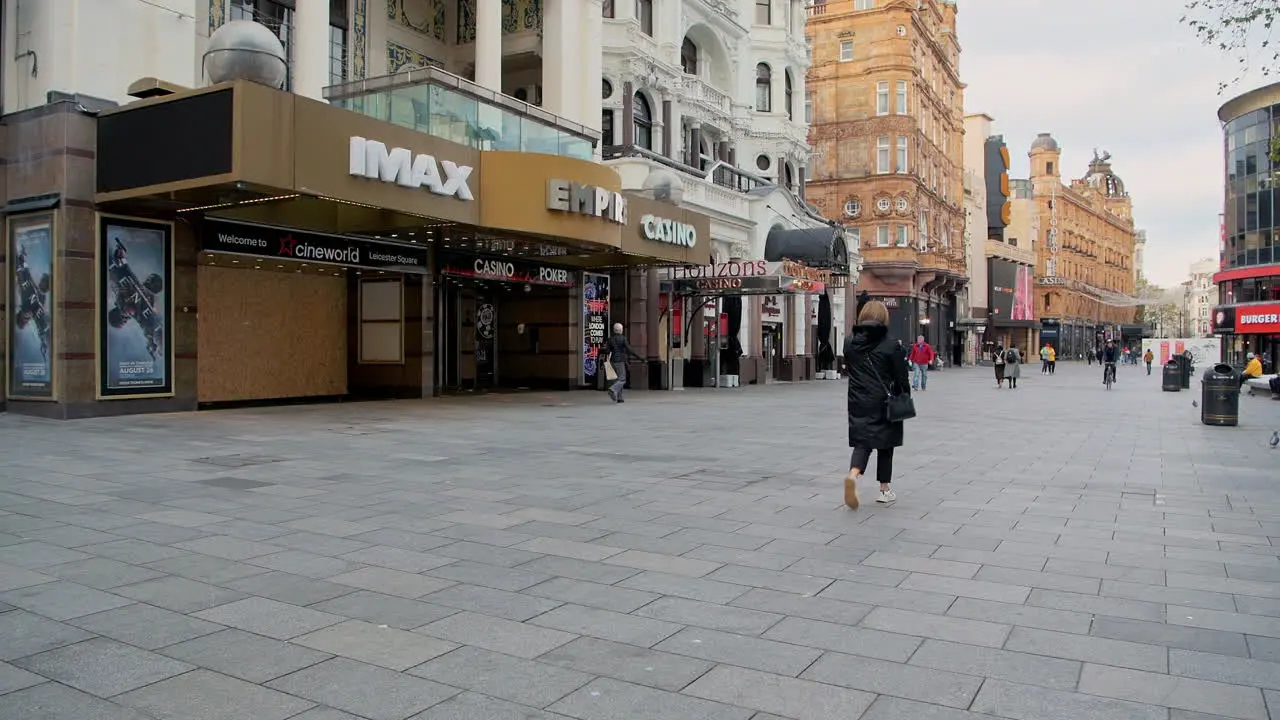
(374, 160)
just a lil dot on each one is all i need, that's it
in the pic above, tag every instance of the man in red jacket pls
(920, 356)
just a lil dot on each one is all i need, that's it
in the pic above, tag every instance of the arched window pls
(764, 88)
(643, 121)
(644, 13)
(786, 78)
(689, 57)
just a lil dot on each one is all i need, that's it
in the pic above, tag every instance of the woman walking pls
(1013, 366)
(997, 359)
(876, 371)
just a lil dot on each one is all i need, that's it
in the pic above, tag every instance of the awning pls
(758, 285)
(816, 247)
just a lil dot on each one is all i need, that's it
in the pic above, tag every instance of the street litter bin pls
(1220, 396)
(1184, 365)
(1171, 376)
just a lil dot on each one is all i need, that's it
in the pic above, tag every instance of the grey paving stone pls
(726, 618)
(590, 552)
(53, 701)
(26, 634)
(892, 708)
(786, 696)
(748, 558)
(719, 539)
(1263, 648)
(178, 594)
(271, 618)
(1103, 651)
(904, 622)
(324, 713)
(382, 609)
(487, 554)
(371, 692)
(669, 564)
(770, 579)
(36, 555)
(1220, 668)
(102, 667)
(15, 678)
(579, 569)
(629, 663)
(136, 552)
(299, 562)
(183, 518)
(205, 568)
(749, 652)
(395, 558)
(1024, 615)
(1003, 664)
(1044, 580)
(159, 533)
(890, 678)
(1178, 692)
(913, 600)
(387, 647)
(814, 608)
(102, 573)
(228, 548)
(1028, 702)
(488, 601)
(844, 639)
(145, 626)
(289, 588)
(63, 600)
(962, 587)
(1169, 596)
(318, 544)
(608, 625)
(1110, 607)
(1066, 566)
(921, 565)
(13, 577)
(591, 594)
(205, 695)
(685, 587)
(69, 536)
(1173, 636)
(1194, 617)
(518, 680)
(244, 655)
(607, 699)
(496, 634)
(492, 576)
(1234, 585)
(559, 532)
(391, 582)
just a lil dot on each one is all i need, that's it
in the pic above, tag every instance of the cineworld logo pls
(668, 231)
(290, 247)
(372, 159)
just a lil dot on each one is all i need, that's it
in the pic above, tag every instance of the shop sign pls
(771, 307)
(1258, 319)
(890, 303)
(571, 197)
(791, 268)
(730, 269)
(506, 270)
(750, 285)
(374, 160)
(1051, 281)
(263, 241)
(665, 230)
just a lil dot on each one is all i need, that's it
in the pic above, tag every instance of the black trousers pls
(884, 462)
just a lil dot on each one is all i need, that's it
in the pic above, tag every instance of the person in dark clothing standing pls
(876, 370)
(619, 350)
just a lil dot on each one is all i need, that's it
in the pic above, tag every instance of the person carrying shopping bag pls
(879, 400)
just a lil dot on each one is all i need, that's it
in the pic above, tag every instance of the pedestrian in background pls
(1053, 359)
(1044, 359)
(1147, 358)
(921, 356)
(619, 351)
(997, 359)
(876, 373)
(1012, 366)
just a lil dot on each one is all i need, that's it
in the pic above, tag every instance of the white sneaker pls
(886, 497)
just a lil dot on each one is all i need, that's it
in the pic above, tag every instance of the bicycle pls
(1109, 374)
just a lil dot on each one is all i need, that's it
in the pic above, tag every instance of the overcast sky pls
(1120, 75)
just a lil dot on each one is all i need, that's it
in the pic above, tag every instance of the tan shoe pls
(851, 491)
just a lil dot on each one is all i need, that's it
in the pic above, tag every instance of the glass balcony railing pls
(446, 106)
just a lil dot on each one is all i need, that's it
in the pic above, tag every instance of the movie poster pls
(31, 300)
(1023, 303)
(595, 323)
(135, 353)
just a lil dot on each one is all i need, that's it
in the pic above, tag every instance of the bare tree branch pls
(1240, 28)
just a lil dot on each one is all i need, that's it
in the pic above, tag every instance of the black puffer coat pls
(868, 346)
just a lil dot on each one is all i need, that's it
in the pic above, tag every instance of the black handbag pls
(896, 407)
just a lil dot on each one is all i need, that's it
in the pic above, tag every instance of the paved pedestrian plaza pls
(1057, 552)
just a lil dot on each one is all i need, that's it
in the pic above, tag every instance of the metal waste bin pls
(1184, 364)
(1171, 376)
(1220, 396)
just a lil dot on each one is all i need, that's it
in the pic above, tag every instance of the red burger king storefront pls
(1249, 328)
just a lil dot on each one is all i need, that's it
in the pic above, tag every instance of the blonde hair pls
(874, 311)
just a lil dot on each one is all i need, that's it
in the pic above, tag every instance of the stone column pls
(695, 147)
(558, 62)
(488, 45)
(310, 62)
(800, 172)
(653, 334)
(668, 144)
(782, 170)
(628, 114)
(586, 92)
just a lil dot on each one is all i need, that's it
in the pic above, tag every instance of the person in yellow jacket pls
(1252, 369)
(1053, 359)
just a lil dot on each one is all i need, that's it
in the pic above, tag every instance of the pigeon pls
(1275, 439)
(1195, 404)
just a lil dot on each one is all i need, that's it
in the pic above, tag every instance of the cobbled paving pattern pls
(1057, 552)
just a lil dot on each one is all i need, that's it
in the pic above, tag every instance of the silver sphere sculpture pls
(664, 185)
(245, 50)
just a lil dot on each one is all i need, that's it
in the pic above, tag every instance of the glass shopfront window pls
(1253, 203)
(1262, 289)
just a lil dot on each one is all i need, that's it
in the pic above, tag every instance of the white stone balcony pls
(699, 94)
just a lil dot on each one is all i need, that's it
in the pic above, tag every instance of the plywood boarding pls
(266, 335)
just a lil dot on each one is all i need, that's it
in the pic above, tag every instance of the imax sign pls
(570, 197)
(374, 160)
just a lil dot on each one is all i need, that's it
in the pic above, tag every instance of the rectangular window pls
(882, 236)
(846, 50)
(882, 154)
(904, 238)
(808, 108)
(864, 4)
(902, 97)
(924, 231)
(855, 236)
(882, 97)
(606, 10)
(644, 13)
(764, 12)
(902, 153)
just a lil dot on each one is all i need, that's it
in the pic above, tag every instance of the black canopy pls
(816, 247)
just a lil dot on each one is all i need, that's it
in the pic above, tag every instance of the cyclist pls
(1110, 355)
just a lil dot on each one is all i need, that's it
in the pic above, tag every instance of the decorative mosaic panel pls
(421, 16)
(359, 40)
(517, 16)
(217, 14)
(398, 56)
